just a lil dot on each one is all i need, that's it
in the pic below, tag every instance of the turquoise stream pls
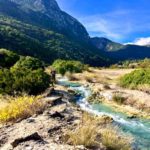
(138, 128)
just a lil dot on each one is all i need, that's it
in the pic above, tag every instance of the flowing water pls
(138, 128)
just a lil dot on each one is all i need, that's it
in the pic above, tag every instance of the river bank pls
(63, 125)
(106, 99)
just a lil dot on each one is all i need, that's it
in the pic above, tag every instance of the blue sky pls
(119, 20)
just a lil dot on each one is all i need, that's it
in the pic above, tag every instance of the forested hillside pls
(45, 44)
(47, 34)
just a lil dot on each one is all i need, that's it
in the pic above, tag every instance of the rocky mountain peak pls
(38, 5)
(45, 14)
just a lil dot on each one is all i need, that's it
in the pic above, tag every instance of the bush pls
(114, 140)
(96, 133)
(25, 76)
(20, 108)
(31, 82)
(63, 66)
(6, 81)
(7, 58)
(86, 134)
(28, 63)
(136, 78)
(145, 63)
(118, 98)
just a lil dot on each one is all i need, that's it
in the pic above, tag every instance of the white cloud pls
(102, 27)
(108, 25)
(141, 41)
(117, 25)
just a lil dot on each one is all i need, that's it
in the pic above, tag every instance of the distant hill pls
(106, 44)
(119, 51)
(39, 28)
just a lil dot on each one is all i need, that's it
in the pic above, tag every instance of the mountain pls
(106, 44)
(119, 51)
(131, 52)
(41, 29)
(45, 14)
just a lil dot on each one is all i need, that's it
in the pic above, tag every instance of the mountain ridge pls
(106, 44)
(121, 52)
(45, 14)
(41, 29)
(29, 32)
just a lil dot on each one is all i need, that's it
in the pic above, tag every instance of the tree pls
(63, 66)
(28, 63)
(8, 58)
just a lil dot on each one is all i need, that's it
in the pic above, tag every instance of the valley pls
(96, 88)
(65, 85)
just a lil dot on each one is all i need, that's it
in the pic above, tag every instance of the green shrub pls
(7, 58)
(118, 98)
(27, 75)
(31, 82)
(23, 80)
(29, 63)
(136, 78)
(6, 81)
(63, 66)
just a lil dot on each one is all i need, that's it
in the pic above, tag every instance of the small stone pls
(57, 115)
(53, 129)
(71, 91)
(28, 148)
(132, 117)
(57, 101)
(30, 120)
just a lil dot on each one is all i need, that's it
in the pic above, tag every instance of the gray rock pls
(57, 101)
(57, 115)
(30, 120)
(132, 117)
(54, 129)
(35, 136)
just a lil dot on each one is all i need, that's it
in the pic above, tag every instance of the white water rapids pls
(139, 129)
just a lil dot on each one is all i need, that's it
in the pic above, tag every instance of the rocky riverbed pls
(43, 131)
(46, 130)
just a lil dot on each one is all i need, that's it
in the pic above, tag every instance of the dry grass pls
(118, 98)
(71, 76)
(86, 134)
(144, 88)
(113, 139)
(142, 105)
(89, 78)
(21, 107)
(94, 133)
(48, 70)
(95, 78)
(106, 86)
(139, 104)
